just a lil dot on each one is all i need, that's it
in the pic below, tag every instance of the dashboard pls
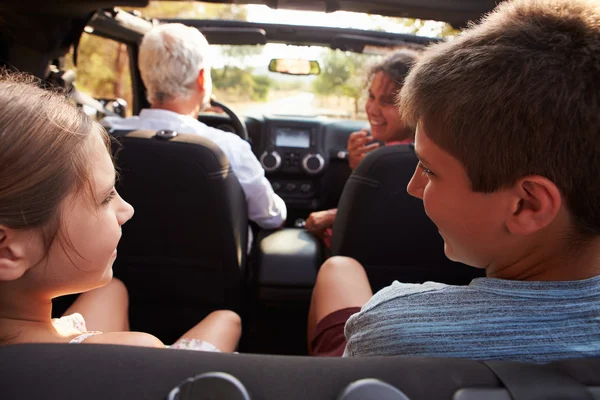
(305, 159)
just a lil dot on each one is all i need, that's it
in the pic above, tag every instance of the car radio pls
(292, 150)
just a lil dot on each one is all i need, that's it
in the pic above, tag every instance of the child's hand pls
(319, 221)
(359, 144)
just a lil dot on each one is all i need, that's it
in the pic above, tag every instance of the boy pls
(508, 138)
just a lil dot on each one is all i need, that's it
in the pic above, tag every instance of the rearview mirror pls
(292, 66)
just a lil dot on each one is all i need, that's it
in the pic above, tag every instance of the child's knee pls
(336, 267)
(228, 317)
(117, 289)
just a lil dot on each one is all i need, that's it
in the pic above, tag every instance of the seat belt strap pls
(537, 382)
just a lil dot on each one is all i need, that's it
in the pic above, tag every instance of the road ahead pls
(297, 104)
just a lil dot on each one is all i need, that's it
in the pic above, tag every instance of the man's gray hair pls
(170, 59)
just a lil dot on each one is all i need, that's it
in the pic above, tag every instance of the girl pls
(60, 223)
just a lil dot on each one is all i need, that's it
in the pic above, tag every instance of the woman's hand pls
(319, 221)
(359, 144)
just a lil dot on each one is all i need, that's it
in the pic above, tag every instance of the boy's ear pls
(536, 203)
(13, 254)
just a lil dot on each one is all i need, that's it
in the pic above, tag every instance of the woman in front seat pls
(385, 81)
(60, 223)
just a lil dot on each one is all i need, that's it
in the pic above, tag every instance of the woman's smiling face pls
(385, 121)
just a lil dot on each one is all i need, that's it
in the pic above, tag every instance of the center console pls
(293, 158)
(288, 260)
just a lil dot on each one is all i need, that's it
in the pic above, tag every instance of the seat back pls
(183, 254)
(99, 372)
(379, 224)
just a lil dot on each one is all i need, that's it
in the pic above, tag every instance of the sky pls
(342, 19)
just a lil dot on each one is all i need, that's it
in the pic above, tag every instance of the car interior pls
(186, 252)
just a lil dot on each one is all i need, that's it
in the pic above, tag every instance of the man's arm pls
(265, 207)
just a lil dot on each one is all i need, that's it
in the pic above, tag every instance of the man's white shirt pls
(265, 207)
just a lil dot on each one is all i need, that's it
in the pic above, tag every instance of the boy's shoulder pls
(481, 292)
(399, 290)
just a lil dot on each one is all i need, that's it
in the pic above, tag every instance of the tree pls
(102, 69)
(262, 84)
(241, 84)
(342, 74)
(191, 9)
(237, 56)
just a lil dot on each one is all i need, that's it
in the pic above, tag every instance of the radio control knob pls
(313, 163)
(270, 160)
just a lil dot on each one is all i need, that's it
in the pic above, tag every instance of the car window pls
(242, 80)
(102, 69)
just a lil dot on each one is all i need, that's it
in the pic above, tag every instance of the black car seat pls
(379, 224)
(183, 254)
(99, 372)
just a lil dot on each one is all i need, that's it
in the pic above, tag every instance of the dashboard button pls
(276, 186)
(306, 187)
(290, 187)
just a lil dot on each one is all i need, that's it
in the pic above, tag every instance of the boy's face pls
(471, 223)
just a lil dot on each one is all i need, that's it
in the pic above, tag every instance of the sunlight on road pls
(297, 104)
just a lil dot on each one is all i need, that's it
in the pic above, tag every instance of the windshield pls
(241, 79)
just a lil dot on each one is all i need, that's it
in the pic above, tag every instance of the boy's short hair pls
(518, 95)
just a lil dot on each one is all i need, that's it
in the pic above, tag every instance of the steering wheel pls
(238, 124)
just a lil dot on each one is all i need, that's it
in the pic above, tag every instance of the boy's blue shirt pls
(490, 319)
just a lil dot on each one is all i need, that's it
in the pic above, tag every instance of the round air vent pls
(313, 163)
(270, 160)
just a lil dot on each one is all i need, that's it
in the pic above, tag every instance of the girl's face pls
(385, 121)
(81, 257)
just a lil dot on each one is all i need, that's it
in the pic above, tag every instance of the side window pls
(102, 69)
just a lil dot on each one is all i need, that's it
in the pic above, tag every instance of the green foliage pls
(260, 91)
(102, 69)
(292, 86)
(191, 9)
(342, 74)
(241, 83)
(103, 65)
